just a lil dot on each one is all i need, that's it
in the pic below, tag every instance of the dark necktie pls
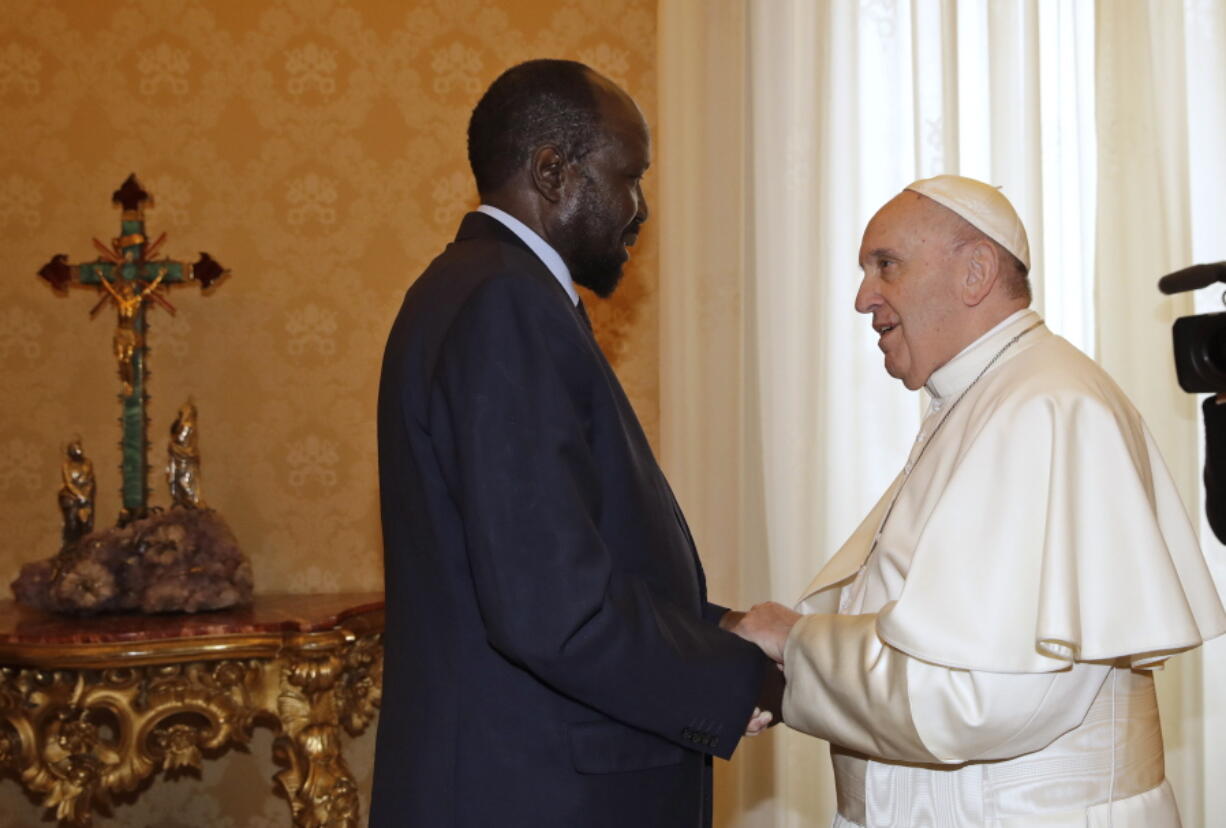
(583, 315)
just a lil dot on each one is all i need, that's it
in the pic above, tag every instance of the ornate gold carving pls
(77, 736)
(320, 693)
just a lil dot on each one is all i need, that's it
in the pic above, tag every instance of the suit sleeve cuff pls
(713, 612)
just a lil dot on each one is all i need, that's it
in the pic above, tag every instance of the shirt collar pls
(548, 256)
(954, 376)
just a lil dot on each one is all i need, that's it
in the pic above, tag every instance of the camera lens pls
(1214, 355)
(1200, 352)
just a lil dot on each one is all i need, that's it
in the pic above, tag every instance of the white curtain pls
(1204, 49)
(784, 124)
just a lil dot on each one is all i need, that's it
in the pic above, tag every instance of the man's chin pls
(910, 379)
(600, 281)
(900, 375)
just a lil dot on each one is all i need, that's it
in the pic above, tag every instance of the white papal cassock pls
(987, 663)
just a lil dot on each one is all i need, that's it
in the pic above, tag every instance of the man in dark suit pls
(551, 657)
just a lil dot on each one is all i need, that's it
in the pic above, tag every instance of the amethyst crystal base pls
(180, 560)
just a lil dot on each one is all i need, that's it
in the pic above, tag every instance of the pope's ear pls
(982, 270)
(548, 173)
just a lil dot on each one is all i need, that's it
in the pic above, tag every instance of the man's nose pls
(867, 298)
(643, 212)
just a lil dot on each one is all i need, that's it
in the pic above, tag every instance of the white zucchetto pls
(983, 205)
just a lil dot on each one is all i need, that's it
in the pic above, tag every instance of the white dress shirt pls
(548, 256)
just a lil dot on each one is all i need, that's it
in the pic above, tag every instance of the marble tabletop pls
(270, 614)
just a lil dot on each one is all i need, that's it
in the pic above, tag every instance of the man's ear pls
(549, 173)
(982, 270)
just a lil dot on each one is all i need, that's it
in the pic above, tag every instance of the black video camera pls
(1200, 341)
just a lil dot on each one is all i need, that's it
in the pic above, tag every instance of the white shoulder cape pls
(1041, 527)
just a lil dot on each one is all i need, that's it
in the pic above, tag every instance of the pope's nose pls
(867, 298)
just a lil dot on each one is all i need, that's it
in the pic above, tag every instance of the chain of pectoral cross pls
(910, 467)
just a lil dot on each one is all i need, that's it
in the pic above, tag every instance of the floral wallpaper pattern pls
(316, 149)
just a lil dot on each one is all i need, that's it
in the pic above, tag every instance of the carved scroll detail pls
(321, 692)
(77, 736)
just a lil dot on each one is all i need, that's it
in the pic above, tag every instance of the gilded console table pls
(92, 706)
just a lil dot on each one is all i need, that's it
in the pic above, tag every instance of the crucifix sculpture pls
(127, 275)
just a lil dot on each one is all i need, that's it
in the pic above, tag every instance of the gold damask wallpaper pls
(316, 149)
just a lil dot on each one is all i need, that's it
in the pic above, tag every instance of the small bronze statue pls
(173, 560)
(183, 463)
(77, 494)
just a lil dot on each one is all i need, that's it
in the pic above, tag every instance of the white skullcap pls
(983, 205)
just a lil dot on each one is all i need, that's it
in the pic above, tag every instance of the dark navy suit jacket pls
(551, 657)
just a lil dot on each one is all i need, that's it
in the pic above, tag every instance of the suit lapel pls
(476, 226)
(480, 226)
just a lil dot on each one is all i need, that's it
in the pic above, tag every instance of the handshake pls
(766, 625)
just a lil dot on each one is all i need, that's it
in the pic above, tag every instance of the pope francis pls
(979, 652)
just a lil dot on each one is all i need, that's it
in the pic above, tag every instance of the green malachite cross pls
(127, 276)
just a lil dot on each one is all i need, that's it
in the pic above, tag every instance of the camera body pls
(1200, 365)
(1200, 353)
(1200, 341)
